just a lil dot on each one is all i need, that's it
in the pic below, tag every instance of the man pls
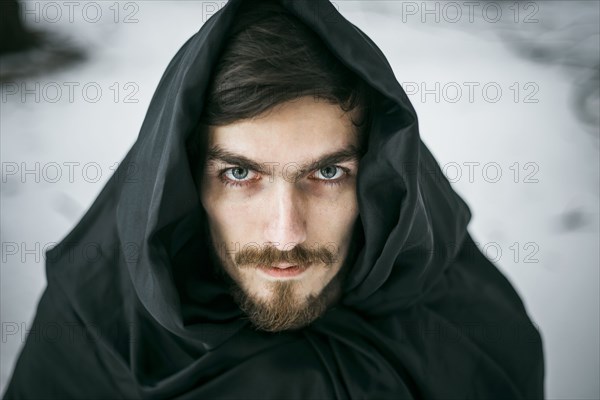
(286, 235)
(282, 131)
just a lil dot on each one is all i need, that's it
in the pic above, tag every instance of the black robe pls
(132, 310)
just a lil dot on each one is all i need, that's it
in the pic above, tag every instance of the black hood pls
(423, 313)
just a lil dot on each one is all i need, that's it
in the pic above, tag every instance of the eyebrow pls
(217, 153)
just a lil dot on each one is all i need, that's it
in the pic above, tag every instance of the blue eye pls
(239, 173)
(238, 176)
(331, 175)
(329, 172)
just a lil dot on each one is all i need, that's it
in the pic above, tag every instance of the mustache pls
(299, 255)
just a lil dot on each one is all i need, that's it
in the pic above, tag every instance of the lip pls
(283, 270)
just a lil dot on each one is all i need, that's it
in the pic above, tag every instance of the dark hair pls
(272, 57)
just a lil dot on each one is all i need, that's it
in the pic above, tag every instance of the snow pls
(538, 220)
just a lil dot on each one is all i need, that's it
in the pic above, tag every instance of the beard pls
(284, 309)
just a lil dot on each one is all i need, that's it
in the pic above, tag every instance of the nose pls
(285, 218)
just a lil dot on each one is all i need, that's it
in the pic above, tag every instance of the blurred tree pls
(14, 36)
(25, 52)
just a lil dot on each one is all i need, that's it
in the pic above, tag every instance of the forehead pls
(299, 129)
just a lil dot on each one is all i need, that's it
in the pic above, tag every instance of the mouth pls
(283, 270)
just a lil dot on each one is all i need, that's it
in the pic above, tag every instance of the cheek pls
(333, 218)
(218, 217)
(237, 215)
(229, 216)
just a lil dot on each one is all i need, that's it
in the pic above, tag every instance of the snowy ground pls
(538, 220)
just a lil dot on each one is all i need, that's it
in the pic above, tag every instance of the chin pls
(284, 305)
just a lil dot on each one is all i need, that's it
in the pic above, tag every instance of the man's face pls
(280, 195)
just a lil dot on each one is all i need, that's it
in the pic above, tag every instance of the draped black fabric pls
(132, 309)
